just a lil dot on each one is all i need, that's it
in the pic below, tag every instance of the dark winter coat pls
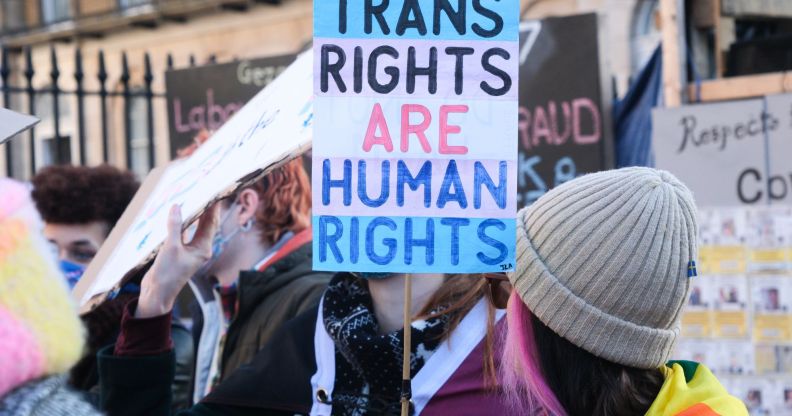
(102, 325)
(280, 378)
(266, 299)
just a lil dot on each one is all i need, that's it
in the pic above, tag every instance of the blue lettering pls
(455, 224)
(498, 245)
(527, 172)
(424, 177)
(354, 240)
(482, 177)
(390, 243)
(345, 183)
(565, 170)
(451, 179)
(384, 187)
(410, 242)
(326, 240)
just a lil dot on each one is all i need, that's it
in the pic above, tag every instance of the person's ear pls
(248, 201)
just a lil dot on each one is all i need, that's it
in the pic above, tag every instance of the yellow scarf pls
(691, 389)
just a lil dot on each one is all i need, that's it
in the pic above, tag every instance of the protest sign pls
(12, 123)
(729, 154)
(207, 96)
(272, 128)
(414, 156)
(563, 125)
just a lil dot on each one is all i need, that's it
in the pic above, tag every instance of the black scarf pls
(369, 365)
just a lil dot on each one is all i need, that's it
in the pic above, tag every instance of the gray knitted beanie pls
(603, 261)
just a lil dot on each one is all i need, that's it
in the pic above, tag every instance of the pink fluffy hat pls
(40, 332)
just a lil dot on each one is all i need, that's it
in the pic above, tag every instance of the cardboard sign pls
(414, 157)
(205, 97)
(734, 153)
(13, 123)
(563, 127)
(274, 127)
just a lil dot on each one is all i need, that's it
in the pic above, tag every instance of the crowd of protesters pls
(585, 325)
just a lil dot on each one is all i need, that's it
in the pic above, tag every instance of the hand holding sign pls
(176, 263)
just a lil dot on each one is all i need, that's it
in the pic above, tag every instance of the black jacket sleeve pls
(132, 386)
(278, 379)
(184, 354)
(137, 386)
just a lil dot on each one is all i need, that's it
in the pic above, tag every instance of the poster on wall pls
(729, 154)
(414, 152)
(563, 123)
(273, 128)
(730, 307)
(206, 96)
(738, 318)
(772, 301)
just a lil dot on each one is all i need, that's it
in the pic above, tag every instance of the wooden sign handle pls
(406, 387)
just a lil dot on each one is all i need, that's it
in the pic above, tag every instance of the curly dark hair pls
(80, 195)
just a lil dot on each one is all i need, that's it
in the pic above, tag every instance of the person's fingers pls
(207, 226)
(175, 226)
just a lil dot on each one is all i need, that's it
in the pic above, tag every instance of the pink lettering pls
(215, 113)
(541, 127)
(552, 125)
(578, 105)
(209, 115)
(446, 129)
(197, 118)
(180, 127)
(560, 138)
(376, 121)
(419, 130)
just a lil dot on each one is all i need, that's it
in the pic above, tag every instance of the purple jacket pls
(450, 383)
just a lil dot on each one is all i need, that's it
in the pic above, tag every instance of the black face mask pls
(374, 275)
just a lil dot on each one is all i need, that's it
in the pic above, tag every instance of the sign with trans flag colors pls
(414, 153)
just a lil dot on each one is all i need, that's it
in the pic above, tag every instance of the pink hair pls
(521, 373)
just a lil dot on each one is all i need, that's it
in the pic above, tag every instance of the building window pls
(56, 153)
(13, 12)
(138, 136)
(52, 152)
(125, 4)
(53, 11)
(45, 109)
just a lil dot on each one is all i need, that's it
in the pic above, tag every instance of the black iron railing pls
(54, 90)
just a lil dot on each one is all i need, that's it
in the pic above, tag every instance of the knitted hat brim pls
(565, 313)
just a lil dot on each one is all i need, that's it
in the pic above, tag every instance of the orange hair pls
(285, 201)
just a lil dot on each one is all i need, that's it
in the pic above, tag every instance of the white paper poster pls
(272, 128)
(12, 123)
